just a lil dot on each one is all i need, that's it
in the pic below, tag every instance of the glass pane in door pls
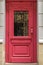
(20, 23)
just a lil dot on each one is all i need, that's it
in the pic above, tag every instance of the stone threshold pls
(21, 64)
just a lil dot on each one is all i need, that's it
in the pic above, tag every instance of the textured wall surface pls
(40, 54)
(2, 19)
(40, 18)
(1, 54)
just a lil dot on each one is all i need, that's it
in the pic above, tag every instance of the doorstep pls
(21, 64)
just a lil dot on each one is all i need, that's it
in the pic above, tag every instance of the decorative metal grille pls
(20, 23)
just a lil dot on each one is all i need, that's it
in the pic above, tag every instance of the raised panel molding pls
(20, 51)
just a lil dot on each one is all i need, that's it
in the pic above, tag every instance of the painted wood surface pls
(21, 48)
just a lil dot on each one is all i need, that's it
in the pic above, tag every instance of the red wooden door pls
(20, 42)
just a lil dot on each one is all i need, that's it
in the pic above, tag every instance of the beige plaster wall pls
(0, 53)
(40, 54)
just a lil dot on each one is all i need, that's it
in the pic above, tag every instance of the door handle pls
(31, 30)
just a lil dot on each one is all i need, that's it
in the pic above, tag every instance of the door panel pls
(20, 32)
